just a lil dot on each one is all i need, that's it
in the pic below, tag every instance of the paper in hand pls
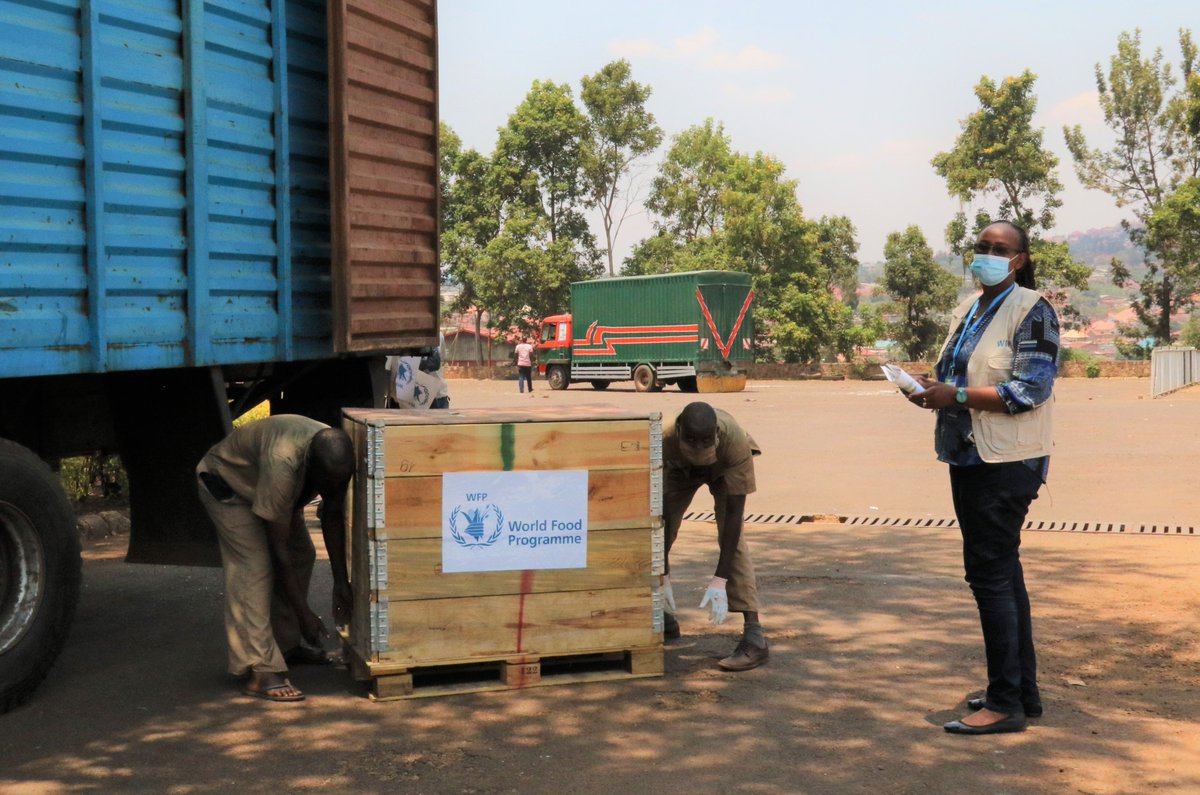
(897, 376)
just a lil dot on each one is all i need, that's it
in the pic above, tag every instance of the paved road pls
(856, 448)
(874, 645)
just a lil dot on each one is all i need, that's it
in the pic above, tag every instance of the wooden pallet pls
(480, 676)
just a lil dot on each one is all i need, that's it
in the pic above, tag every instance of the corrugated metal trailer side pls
(384, 160)
(698, 316)
(164, 188)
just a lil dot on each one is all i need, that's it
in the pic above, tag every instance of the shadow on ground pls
(874, 644)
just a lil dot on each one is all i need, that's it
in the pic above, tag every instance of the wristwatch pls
(961, 396)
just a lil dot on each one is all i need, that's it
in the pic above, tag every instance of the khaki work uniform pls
(263, 465)
(732, 474)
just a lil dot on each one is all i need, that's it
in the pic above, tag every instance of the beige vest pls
(1000, 436)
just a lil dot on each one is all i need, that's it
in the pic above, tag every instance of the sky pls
(854, 98)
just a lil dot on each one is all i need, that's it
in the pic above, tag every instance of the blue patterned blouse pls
(1035, 366)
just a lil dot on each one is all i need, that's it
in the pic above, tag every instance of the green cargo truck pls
(692, 329)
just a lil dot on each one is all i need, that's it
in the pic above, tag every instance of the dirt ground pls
(875, 641)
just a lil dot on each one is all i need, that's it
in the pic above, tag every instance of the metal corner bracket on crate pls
(658, 549)
(376, 472)
(378, 620)
(656, 466)
(656, 612)
(377, 563)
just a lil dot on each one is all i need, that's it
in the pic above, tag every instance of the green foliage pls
(1190, 335)
(837, 250)
(1093, 370)
(471, 210)
(1075, 355)
(686, 194)
(514, 235)
(620, 131)
(725, 210)
(1000, 153)
(920, 290)
(523, 273)
(1000, 157)
(95, 475)
(1156, 151)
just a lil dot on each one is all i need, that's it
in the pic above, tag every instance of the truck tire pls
(600, 386)
(557, 377)
(644, 379)
(40, 568)
(688, 384)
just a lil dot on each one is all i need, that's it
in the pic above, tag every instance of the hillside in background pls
(1105, 305)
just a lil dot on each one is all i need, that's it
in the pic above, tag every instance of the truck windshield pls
(547, 332)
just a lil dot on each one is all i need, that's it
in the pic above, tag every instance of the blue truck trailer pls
(204, 204)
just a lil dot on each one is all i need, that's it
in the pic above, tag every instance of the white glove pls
(668, 595)
(718, 602)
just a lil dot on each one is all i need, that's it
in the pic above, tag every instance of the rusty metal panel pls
(384, 173)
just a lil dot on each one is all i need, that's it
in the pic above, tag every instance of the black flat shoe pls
(670, 627)
(1012, 723)
(1032, 709)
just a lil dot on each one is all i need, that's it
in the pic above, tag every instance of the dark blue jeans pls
(991, 501)
(524, 376)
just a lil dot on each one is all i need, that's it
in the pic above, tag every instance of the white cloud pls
(745, 59)
(698, 42)
(907, 147)
(758, 94)
(1083, 109)
(703, 49)
(892, 153)
(634, 48)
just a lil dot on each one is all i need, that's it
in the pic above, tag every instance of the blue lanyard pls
(970, 328)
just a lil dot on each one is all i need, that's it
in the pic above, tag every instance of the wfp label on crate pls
(511, 521)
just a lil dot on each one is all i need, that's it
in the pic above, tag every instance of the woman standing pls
(993, 399)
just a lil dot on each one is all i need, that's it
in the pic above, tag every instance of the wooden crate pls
(419, 631)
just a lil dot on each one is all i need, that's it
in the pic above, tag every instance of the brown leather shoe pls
(745, 656)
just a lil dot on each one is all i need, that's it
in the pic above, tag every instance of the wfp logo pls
(477, 527)
(404, 374)
(420, 394)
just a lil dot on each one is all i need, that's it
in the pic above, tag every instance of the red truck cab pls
(554, 347)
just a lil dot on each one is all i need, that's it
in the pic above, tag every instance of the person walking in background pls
(993, 397)
(525, 355)
(254, 485)
(704, 446)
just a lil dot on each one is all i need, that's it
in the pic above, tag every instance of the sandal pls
(269, 693)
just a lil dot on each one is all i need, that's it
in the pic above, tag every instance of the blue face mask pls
(990, 269)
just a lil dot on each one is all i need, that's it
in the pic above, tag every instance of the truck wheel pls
(39, 572)
(644, 379)
(556, 376)
(688, 384)
(600, 386)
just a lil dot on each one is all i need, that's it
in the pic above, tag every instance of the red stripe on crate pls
(526, 587)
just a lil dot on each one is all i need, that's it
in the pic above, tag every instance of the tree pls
(1190, 335)
(1155, 151)
(837, 248)
(523, 274)
(726, 210)
(470, 219)
(686, 194)
(516, 237)
(999, 156)
(620, 132)
(540, 159)
(920, 289)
